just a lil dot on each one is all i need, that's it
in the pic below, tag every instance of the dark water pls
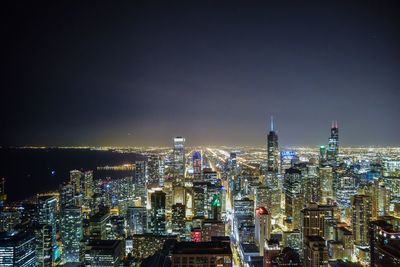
(28, 171)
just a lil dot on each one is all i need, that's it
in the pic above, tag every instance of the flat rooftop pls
(213, 247)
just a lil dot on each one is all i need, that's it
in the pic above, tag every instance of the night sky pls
(140, 73)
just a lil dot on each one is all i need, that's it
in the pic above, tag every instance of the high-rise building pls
(104, 253)
(262, 227)
(326, 183)
(98, 225)
(322, 153)
(232, 162)
(333, 144)
(315, 252)
(47, 206)
(293, 197)
(314, 219)
(212, 228)
(271, 250)
(75, 180)
(214, 253)
(141, 181)
(272, 150)
(154, 165)
(392, 183)
(178, 219)
(179, 160)
(157, 224)
(88, 184)
(136, 220)
(17, 249)
(43, 244)
(71, 233)
(196, 165)
(67, 196)
(199, 198)
(361, 216)
(384, 241)
(346, 189)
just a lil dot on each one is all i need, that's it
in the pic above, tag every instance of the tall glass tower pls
(179, 159)
(333, 144)
(272, 149)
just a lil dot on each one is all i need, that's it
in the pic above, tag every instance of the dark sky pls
(140, 73)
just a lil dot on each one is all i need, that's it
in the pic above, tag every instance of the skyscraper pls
(137, 220)
(179, 160)
(314, 218)
(178, 219)
(47, 213)
(153, 169)
(333, 144)
(75, 180)
(384, 236)
(293, 197)
(141, 181)
(326, 183)
(272, 149)
(262, 227)
(88, 184)
(158, 212)
(71, 233)
(17, 249)
(197, 165)
(361, 216)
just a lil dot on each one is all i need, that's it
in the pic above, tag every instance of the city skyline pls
(141, 73)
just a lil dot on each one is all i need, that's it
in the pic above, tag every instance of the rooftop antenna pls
(272, 123)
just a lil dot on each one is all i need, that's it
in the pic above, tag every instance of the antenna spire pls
(272, 123)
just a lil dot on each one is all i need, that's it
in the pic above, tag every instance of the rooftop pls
(213, 247)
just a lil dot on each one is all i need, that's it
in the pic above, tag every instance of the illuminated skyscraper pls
(47, 214)
(71, 233)
(104, 253)
(262, 227)
(232, 162)
(293, 197)
(67, 196)
(179, 159)
(384, 241)
(314, 218)
(157, 224)
(98, 225)
(178, 219)
(88, 184)
(137, 220)
(154, 169)
(361, 216)
(333, 144)
(43, 244)
(141, 181)
(322, 153)
(272, 150)
(197, 166)
(326, 183)
(17, 249)
(75, 180)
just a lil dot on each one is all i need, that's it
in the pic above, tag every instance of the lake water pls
(28, 171)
